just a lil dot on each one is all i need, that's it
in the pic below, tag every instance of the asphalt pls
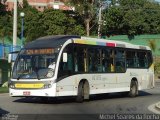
(155, 107)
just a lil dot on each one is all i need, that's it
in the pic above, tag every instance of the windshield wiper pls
(37, 75)
(36, 71)
(22, 74)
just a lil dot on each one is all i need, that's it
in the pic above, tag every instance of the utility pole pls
(99, 19)
(15, 26)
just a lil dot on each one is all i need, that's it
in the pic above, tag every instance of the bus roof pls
(58, 40)
(47, 41)
(110, 43)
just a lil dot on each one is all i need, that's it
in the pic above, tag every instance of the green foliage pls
(31, 22)
(5, 23)
(87, 10)
(4, 90)
(152, 45)
(133, 17)
(48, 22)
(2, 9)
(157, 68)
(58, 22)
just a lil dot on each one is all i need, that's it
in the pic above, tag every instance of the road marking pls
(153, 109)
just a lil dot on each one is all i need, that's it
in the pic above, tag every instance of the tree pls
(133, 17)
(57, 22)
(86, 9)
(48, 22)
(5, 25)
(32, 22)
(2, 9)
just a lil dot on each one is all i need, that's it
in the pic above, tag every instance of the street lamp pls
(22, 27)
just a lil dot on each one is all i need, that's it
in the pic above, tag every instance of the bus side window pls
(120, 61)
(94, 60)
(91, 56)
(108, 60)
(142, 59)
(131, 59)
(99, 60)
(104, 62)
(79, 59)
(112, 61)
(75, 60)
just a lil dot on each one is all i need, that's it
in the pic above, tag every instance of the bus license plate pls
(26, 93)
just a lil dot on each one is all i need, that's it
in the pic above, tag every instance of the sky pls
(157, 0)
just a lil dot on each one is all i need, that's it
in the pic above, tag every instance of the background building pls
(41, 4)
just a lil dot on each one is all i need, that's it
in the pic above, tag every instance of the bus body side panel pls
(145, 77)
(98, 83)
(105, 82)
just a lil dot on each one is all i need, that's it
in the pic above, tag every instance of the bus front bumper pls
(48, 92)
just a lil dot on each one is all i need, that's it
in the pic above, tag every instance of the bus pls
(66, 65)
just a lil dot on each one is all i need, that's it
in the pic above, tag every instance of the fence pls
(5, 67)
(5, 71)
(6, 49)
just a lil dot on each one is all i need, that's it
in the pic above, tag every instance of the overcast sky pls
(157, 0)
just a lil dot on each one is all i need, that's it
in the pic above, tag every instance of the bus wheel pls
(80, 94)
(133, 89)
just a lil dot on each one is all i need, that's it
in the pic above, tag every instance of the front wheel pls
(133, 89)
(80, 95)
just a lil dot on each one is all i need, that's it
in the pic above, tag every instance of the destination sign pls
(40, 51)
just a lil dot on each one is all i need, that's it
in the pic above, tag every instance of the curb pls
(4, 93)
(157, 106)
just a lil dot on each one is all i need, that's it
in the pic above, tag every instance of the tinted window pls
(131, 59)
(120, 60)
(142, 59)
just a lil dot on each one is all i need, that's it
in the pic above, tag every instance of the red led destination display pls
(40, 51)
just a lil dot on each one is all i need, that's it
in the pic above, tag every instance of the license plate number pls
(26, 93)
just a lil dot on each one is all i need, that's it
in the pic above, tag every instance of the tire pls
(80, 94)
(133, 89)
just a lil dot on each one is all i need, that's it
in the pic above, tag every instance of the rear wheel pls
(133, 89)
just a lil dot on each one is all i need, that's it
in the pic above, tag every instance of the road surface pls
(115, 103)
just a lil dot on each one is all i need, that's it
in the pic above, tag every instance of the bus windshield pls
(35, 64)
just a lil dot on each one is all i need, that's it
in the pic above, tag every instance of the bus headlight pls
(47, 86)
(11, 86)
(50, 73)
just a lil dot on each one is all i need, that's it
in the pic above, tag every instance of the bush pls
(5, 84)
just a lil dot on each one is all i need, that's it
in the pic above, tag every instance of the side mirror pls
(64, 57)
(12, 56)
